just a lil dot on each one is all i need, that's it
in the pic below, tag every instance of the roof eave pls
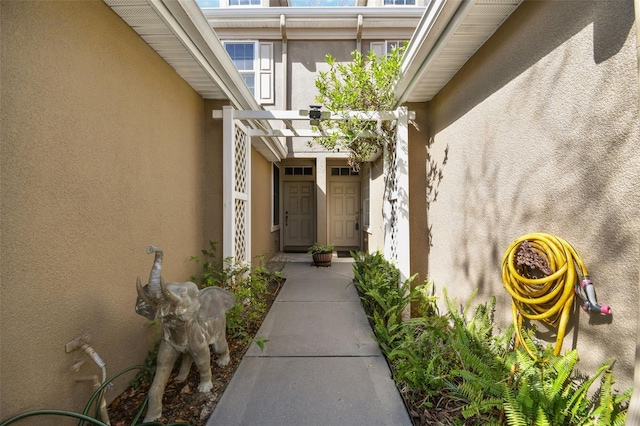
(188, 15)
(424, 71)
(185, 21)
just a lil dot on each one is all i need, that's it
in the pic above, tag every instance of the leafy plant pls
(364, 84)
(318, 248)
(249, 285)
(480, 376)
(546, 389)
(458, 368)
(218, 273)
(260, 341)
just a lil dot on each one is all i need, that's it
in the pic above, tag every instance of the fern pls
(541, 418)
(512, 409)
(461, 361)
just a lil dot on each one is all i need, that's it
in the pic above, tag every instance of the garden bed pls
(182, 402)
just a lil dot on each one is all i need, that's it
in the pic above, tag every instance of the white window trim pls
(383, 47)
(263, 69)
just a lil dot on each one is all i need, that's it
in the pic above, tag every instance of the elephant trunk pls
(154, 289)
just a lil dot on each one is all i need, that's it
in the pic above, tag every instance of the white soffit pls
(178, 32)
(144, 18)
(450, 32)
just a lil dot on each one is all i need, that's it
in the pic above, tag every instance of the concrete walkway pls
(320, 366)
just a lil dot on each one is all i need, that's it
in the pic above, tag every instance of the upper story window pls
(321, 3)
(243, 56)
(399, 2)
(227, 3)
(244, 2)
(254, 61)
(392, 44)
(385, 47)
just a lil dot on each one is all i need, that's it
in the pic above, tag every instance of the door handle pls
(286, 218)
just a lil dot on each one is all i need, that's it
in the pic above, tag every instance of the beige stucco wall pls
(101, 155)
(540, 129)
(375, 232)
(419, 172)
(264, 242)
(212, 192)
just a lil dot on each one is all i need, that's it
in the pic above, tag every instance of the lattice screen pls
(397, 235)
(241, 144)
(240, 141)
(391, 193)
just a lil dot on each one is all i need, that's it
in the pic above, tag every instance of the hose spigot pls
(587, 293)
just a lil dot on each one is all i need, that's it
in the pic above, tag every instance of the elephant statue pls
(191, 319)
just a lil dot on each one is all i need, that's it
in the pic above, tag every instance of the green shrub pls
(458, 368)
(250, 286)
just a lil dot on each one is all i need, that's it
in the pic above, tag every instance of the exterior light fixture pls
(314, 115)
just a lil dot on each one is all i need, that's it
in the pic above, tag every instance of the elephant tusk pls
(166, 293)
(143, 294)
(156, 270)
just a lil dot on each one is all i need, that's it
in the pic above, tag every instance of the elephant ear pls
(215, 302)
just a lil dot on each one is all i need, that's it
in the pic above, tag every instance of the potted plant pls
(322, 254)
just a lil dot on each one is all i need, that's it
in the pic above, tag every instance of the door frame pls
(284, 180)
(351, 178)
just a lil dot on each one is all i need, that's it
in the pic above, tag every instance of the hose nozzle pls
(587, 293)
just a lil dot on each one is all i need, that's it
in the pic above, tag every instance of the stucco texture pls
(101, 155)
(264, 242)
(306, 59)
(539, 133)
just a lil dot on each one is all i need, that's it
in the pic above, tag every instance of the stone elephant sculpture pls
(191, 319)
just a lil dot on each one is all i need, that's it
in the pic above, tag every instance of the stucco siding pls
(375, 234)
(422, 176)
(213, 180)
(264, 242)
(101, 155)
(306, 60)
(539, 133)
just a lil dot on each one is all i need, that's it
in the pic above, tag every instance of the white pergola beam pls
(286, 133)
(295, 115)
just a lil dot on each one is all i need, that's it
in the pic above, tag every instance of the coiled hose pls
(547, 296)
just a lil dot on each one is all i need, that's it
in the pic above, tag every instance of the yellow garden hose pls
(548, 297)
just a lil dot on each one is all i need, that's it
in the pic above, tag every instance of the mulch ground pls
(182, 402)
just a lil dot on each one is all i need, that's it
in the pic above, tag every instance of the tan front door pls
(299, 215)
(344, 214)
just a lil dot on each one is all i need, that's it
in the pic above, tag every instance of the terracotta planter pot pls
(322, 259)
